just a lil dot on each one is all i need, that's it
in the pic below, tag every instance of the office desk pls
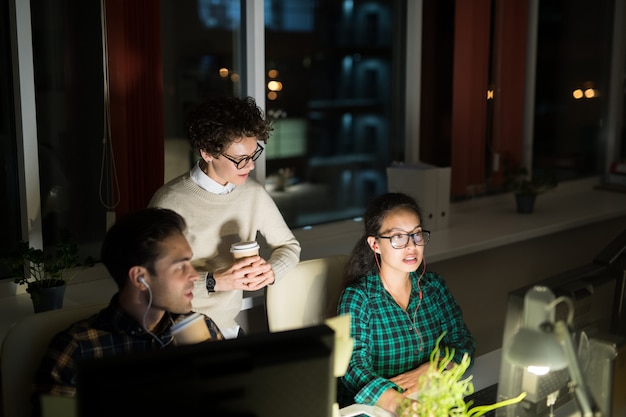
(485, 372)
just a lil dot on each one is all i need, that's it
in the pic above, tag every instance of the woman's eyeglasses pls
(420, 238)
(242, 162)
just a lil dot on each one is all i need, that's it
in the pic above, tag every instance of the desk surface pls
(485, 371)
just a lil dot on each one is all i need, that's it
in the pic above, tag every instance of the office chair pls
(307, 295)
(23, 348)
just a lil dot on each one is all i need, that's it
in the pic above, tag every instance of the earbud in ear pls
(143, 281)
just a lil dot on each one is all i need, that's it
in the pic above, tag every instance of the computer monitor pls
(613, 256)
(592, 290)
(260, 375)
(614, 252)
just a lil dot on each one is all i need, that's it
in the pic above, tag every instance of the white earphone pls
(143, 281)
(158, 339)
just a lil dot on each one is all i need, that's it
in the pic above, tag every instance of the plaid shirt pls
(389, 341)
(107, 333)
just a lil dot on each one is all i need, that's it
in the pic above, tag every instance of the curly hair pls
(362, 260)
(218, 122)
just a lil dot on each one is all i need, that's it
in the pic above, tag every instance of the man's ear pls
(138, 277)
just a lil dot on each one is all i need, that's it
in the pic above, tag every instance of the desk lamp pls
(544, 344)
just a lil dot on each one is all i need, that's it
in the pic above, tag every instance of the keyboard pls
(485, 396)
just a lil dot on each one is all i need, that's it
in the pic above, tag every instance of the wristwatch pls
(210, 282)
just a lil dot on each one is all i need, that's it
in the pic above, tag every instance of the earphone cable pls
(419, 286)
(145, 327)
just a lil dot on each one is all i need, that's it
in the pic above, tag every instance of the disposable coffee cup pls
(244, 249)
(190, 330)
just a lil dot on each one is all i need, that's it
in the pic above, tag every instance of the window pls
(329, 91)
(201, 57)
(572, 91)
(57, 186)
(68, 62)
(9, 183)
(334, 80)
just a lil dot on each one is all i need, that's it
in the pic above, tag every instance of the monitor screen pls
(592, 290)
(613, 252)
(614, 257)
(260, 375)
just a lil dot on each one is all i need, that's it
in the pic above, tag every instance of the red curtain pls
(469, 93)
(509, 80)
(482, 129)
(136, 100)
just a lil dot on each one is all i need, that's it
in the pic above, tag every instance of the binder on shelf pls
(428, 185)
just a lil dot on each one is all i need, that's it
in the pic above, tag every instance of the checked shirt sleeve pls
(360, 376)
(458, 336)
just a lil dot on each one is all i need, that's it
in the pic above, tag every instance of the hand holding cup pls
(190, 330)
(260, 277)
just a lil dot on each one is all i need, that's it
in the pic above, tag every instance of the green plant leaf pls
(444, 389)
(29, 265)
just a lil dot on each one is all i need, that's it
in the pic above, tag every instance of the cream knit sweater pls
(214, 222)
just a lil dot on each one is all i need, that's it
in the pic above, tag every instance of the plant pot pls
(525, 203)
(47, 296)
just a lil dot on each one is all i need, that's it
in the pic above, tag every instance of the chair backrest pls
(307, 295)
(24, 346)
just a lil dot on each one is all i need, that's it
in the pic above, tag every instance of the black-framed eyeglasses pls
(420, 238)
(242, 162)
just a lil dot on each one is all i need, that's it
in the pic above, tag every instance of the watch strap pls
(210, 282)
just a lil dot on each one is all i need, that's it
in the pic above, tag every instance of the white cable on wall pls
(109, 184)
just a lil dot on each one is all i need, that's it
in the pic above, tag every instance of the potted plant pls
(527, 187)
(445, 387)
(46, 275)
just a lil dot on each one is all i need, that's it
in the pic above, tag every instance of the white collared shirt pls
(203, 180)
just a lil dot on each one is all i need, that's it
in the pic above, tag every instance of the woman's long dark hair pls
(362, 259)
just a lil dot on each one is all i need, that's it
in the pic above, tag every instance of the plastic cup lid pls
(179, 325)
(244, 246)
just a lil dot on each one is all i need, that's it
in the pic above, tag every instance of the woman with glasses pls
(398, 308)
(221, 206)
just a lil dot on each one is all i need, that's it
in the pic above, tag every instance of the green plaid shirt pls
(389, 341)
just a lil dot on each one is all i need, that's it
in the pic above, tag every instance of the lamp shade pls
(536, 349)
